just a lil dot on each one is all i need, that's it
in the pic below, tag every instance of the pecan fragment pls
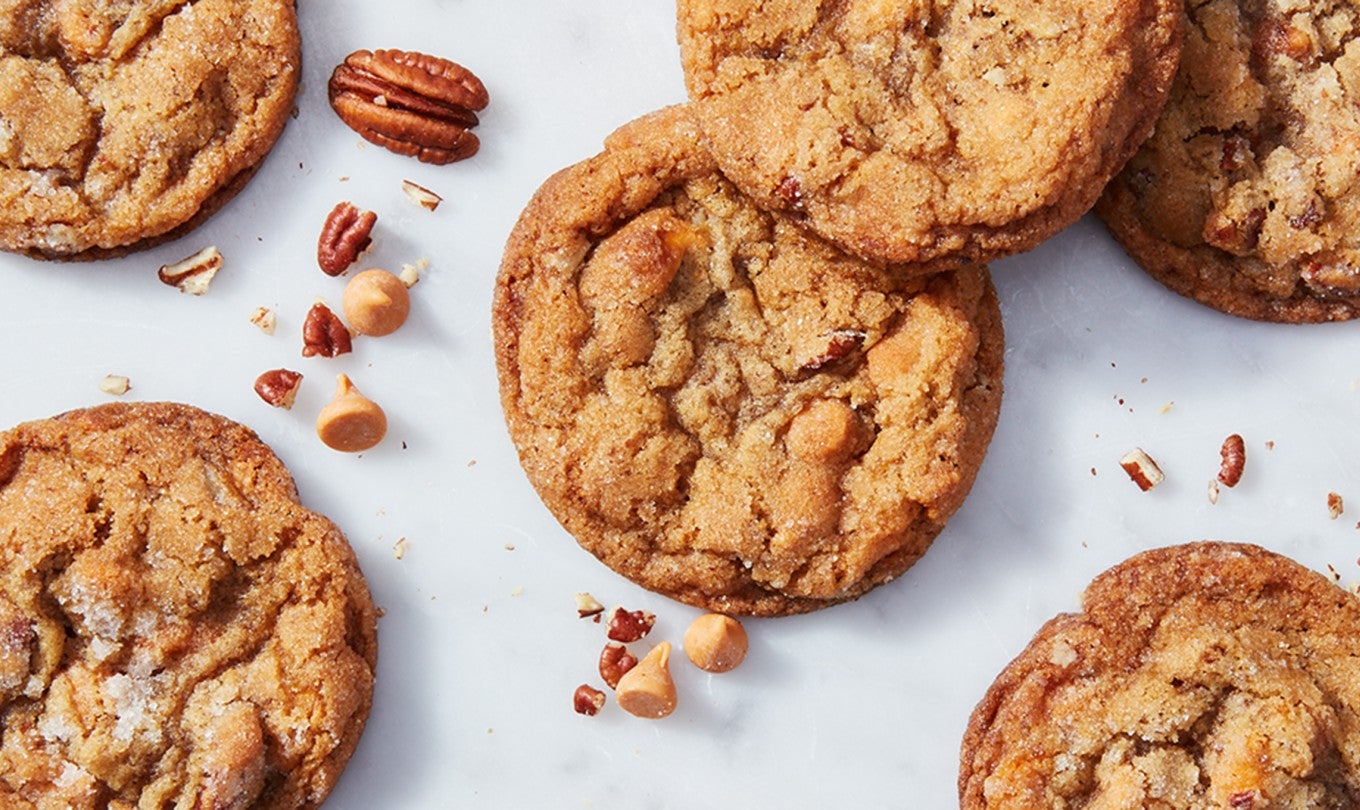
(615, 660)
(587, 700)
(278, 387)
(1142, 470)
(1234, 453)
(626, 625)
(344, 236)
(410, 103)
(194, 274)
(1335, 505)
(324, 334)
(839, 345)
(420, 195)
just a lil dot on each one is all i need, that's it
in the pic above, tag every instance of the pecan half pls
(344, 236)
(324, 333)
(410, 103)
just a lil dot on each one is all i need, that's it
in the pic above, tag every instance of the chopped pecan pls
(791, 192)
(839, 345)
(410, 103)
(1142, 470)
(1236, 237)
(1327, 274)
(323, 333)
(626, 625)
(344, 236)
(587, 700)
(194, 274)
(278, 387)
(1234, 453)
(615, 661)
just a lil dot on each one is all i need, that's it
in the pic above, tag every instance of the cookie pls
(176, 630)
(1208, 675)
(1244, 199)
(928, 132)
(125, 123)
(721, 406)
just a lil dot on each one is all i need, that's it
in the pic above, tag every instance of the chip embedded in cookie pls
(1207, 675)
(124, 123)
(1245, 197)
(176, 630)
(928, 132)
(721, 406)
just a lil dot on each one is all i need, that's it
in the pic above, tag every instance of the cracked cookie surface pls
(911, 131)
(175, 629)
(126, 122)
(722, 406)
(1208, 675)
(1246, 197)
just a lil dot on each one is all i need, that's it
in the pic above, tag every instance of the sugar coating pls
(928, 132)
(175, 629)
(1245, 198)
(123, 121)
(1208, 675)
(722, 406)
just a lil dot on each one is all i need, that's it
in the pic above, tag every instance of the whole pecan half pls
(324, 334)
(410, 103)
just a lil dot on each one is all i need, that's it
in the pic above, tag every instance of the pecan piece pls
(629, 625)
(410, 103)
(324, 333)
(615, 661)
(278, 387)
(1234, 454)
(344, 236)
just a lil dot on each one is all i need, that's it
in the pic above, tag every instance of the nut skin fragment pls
(716, 643)
(410, 103)
(376, 303)
(278, 387)
(615, 662)
(587, 700)
(628, 626)
(324, 334)
(1142, 470)
(344, 235)
(351, 422)
(647, 690)
(1234, 453)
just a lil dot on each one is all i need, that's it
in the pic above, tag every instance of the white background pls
(860, 705)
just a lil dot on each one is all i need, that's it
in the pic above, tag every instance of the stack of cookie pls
(750, 353)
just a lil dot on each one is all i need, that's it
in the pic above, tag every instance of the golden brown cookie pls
(721, 406)
(175, 629)
(1196, 677)
(1246, 199)
(914, 131)
(124, 123)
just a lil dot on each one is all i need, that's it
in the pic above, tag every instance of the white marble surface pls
(861, 705)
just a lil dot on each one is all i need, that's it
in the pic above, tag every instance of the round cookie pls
(1208, 675)
(175, 629)
(928, 132)
(721, 406)
(124, 124)
(1246, 198)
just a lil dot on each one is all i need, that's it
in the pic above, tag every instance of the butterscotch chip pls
(1244, 198)
(176, 630)
(123, 124)
(1208, 675)
(928, 132)
(719, 405)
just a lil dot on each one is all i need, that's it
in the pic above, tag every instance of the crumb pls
(519, 591)
(1270, 445)
(1165, 409)
(472, 462)
(115, 384)
(1335, 506)
(1213, 490)
(1336, 575)
(509, 546)
(399, 549)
